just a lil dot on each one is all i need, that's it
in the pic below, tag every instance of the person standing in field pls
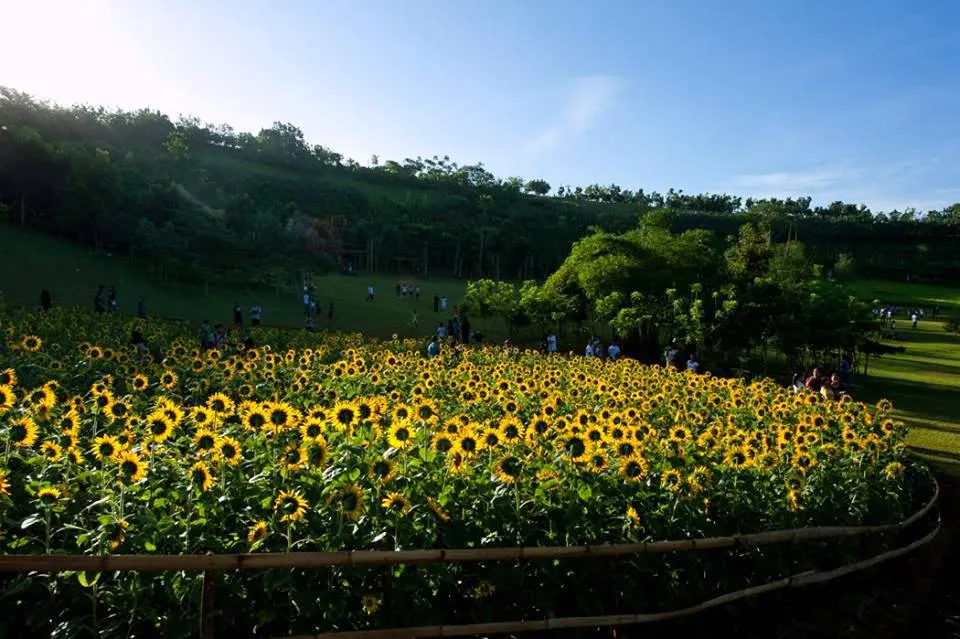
(255, 313)
(613, 351)
(693, 365)
(141, 307)
(46, 302)
(112, 299)
(99, 302)
(370, 293)
(433, 348)
(237, 314)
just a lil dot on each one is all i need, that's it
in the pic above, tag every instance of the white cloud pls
(589, 98)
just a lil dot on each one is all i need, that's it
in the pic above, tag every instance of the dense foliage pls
(737, 303)
(196, 201)
(330, 442)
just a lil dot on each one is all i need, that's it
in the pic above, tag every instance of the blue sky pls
(839, 100)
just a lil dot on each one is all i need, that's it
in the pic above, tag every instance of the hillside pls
(202, 203)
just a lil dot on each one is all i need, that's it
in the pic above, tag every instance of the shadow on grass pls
(932, 401)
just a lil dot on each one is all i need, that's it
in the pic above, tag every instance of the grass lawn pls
(923, 382)
(31, 262)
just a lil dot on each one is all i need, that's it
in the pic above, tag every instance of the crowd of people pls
(832, 386)
(887, 315)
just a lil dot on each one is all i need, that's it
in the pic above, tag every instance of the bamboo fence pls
(262, 561)
(209, 564)
(793, 581)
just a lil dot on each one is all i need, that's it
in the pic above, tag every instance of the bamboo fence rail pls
(261, 561)
(793, 581)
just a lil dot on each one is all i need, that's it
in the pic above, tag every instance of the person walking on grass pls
(370, 293)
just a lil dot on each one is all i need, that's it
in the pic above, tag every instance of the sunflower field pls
(330, 442)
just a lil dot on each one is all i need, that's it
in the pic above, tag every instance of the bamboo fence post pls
(207, 605)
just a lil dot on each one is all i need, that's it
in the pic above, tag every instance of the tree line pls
(741, 302)
(195, 201)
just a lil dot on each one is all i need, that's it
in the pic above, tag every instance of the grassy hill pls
(33, 261)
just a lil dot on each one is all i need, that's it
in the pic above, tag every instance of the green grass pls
(924, 381)
(32, 262)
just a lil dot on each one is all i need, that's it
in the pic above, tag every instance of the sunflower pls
(291, 506)
(205, 441)
(317, 454)
(118, 533)
(51, 450)
(803, 461)
(229, 449)
(396, 502)
(106, 447)
(382, 470)
(633, 468)
(168, 380)
(345, 416)
(351, 500)
(23, 433)
(8, 377)
(31, 343)
(160, 426)
(7, 398)
(280, 415)
(894, 470)
(672, 480)
(117, 410)
(4, 483)
(139, 382)
(49, 496)
(442, 443)
(507, 469)
(467, 445)
(490, 438)
(575, 446)
(132, 468)
(200, 476)
(312, 429)
(202, 416)
(220, 404)
(633, 516)
(597, 461)
(256, 418)
(736, 458)
(437, 511)
(294, 457)
(401, 435)
(370, 604)
(257, 531)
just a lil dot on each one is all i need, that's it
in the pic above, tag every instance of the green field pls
(33, 261)
(923, 382)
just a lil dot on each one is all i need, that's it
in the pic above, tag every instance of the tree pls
(538, 187)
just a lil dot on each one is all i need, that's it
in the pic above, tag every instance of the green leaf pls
(85, 580)
(584, 492)
(149, 546)
(354, 474)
